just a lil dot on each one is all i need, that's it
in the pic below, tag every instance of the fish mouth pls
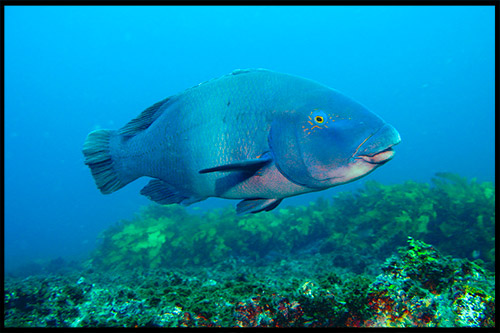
(381, 157)
(370, 150)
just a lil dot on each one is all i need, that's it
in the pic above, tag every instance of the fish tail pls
(98, 157)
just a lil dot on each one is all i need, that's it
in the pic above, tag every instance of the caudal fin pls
(96, 150)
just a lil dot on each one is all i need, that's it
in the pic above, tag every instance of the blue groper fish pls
(255, 135)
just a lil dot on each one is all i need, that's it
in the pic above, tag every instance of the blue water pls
(429, 71)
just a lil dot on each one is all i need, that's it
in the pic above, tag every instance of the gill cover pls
(302, 147)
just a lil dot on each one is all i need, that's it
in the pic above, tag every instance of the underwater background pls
(427, 70)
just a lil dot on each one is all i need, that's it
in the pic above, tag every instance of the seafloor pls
(416, 287)
(348, 262)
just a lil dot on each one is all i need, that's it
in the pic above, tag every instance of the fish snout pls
(377, 148)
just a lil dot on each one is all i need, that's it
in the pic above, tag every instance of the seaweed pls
(407, 293)
(362, 228)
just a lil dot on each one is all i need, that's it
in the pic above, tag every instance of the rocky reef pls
(418, 287)
(403, 255)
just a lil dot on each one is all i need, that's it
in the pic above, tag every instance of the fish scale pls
(255, 135)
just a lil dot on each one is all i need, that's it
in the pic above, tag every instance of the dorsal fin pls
(248, 70)
(148, 116)
(144, 120)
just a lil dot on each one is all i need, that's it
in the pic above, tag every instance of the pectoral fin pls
(251, 165)
(256, 205)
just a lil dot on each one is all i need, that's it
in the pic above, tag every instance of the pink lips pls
(378, 158)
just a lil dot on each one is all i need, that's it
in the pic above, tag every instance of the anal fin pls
(256, 205)
(159, 191)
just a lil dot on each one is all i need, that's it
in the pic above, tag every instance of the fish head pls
(330, 141)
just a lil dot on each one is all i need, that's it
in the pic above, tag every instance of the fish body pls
(255, 135)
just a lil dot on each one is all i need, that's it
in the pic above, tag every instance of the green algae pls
(453, 213)
(316, 265)
(313, 293)
(424, 288)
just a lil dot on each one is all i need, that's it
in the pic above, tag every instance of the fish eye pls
(319, 119)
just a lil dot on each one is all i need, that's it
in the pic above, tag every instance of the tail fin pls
(96, 150)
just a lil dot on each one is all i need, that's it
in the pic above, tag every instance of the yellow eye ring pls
(319, 119)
